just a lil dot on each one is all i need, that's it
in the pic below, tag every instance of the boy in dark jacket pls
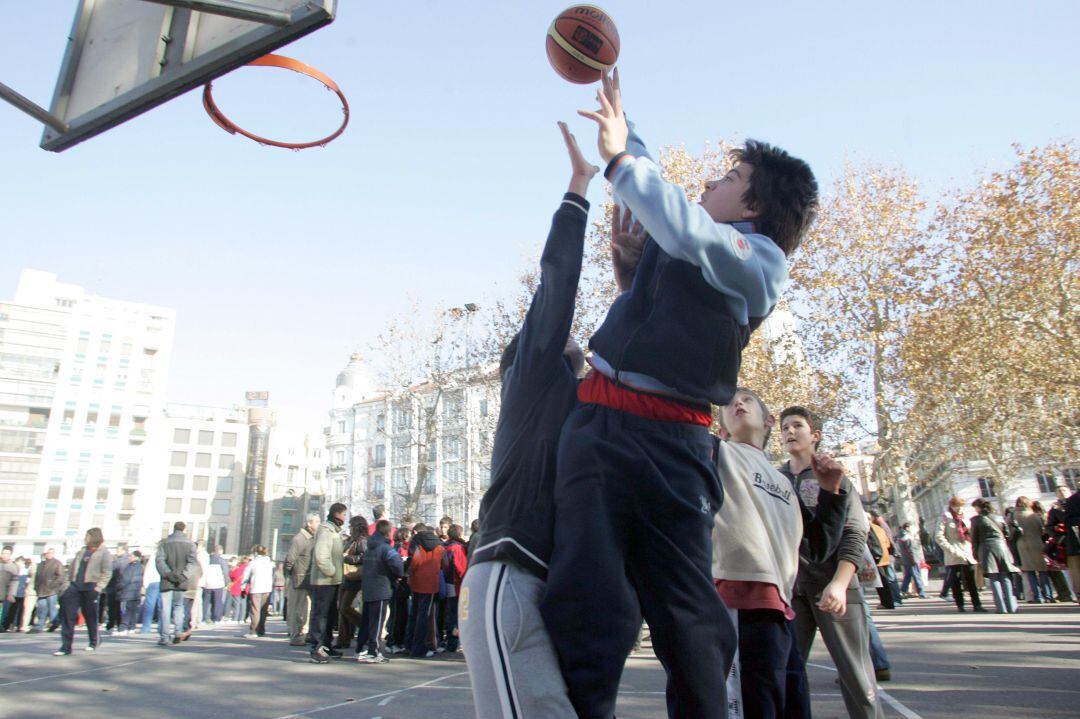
(635, 470)
(382, 566)
(509, 561)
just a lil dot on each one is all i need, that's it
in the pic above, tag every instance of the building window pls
(380, 422)
(48, 521)
(224, 484)
(339, 458)
(228, 439)
(54, 492)
(986, 487)
(400, 479)
(103, 494)
(226, 461)
(483, 408)
(206, 438)
(377, 486)
(1047, 482)
(198, 506)
(202, 459)
(179, 459)
(1071, 475)
(128, 502)
(172, 505)
(176, 481)
(402, 419)
(181, 436)
(453, 448)
(401, 453)
(341, 426)
(286, 524)
(78, 494)
(380, 456)
(200, 483)
(221, 507)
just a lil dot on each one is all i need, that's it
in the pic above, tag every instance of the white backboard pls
(125, 57)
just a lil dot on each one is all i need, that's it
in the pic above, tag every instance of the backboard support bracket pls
(32, 109)
(230, 8)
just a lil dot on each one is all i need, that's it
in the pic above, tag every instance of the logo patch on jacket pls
(741, 246)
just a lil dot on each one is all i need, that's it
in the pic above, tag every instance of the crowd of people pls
(335, 589)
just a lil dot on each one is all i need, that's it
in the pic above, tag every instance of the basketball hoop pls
(286, 63)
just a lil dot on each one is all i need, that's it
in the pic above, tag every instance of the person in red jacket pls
(425, 562)
(237, 591)
(455, 560)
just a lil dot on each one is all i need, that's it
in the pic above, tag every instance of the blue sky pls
(280, 264)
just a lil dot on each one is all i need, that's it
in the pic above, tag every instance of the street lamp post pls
(469, 309)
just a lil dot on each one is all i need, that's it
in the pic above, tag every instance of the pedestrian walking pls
(259, 576)
(48, 582)
(954, 538)
(989, 543)
(88, 575)
(326, 573)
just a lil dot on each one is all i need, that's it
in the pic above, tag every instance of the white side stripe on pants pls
(507, 694)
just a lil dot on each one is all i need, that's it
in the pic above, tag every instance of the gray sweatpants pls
(848, 640)
(512, 664)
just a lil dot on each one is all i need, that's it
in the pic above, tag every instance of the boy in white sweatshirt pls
(756, 540)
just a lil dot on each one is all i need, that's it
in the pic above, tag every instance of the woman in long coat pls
(989, 537)
(1030, 545)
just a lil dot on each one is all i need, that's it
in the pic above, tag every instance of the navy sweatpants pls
(771, 669)
(634, 507)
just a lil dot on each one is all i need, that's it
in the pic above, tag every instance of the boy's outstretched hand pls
(610, 117)
(627, 240)
(828, 471)
(582, 171)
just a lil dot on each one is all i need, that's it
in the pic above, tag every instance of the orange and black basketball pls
(582, 42)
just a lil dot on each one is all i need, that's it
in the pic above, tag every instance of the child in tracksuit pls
(635, 473)
(512, 665)
(756, 542)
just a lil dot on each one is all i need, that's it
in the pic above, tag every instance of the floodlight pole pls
(32, 109)
(233, 9)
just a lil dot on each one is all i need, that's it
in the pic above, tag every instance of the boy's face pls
(723, 198)
(744, 419)
(797, 436)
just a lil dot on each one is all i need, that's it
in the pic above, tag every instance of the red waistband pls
(598, 389)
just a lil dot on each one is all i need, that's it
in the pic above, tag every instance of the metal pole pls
(33, 110)
(233, 9)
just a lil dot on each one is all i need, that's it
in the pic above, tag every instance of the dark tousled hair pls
(94, 537)
(811, 419)
(782, 190)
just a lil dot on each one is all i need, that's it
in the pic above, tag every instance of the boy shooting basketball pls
(636, 486)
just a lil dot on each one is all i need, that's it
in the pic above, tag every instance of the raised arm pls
(547, 323)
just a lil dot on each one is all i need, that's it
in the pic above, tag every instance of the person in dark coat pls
(989, 544)
(129, 589)
(382, 566)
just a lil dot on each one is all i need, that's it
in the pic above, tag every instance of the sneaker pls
(335, 653)
(440, 649)
(371, 658)
(250, 635)
(60, 653)
(90, 648)
(176, 640)
(429, 654)
(184, 636)
(53, 627)
(162, 642)
(320, 656)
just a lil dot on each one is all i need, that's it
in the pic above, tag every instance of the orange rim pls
(286, 63)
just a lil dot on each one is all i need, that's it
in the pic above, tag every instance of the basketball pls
(581, 42)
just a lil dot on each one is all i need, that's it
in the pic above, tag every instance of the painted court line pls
(104, 668)
(381, 695)
(889, 698)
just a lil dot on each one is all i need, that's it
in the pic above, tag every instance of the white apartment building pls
(295, 486)
(201, 472)
(86, 426)
(431, 442)
(972, 480)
